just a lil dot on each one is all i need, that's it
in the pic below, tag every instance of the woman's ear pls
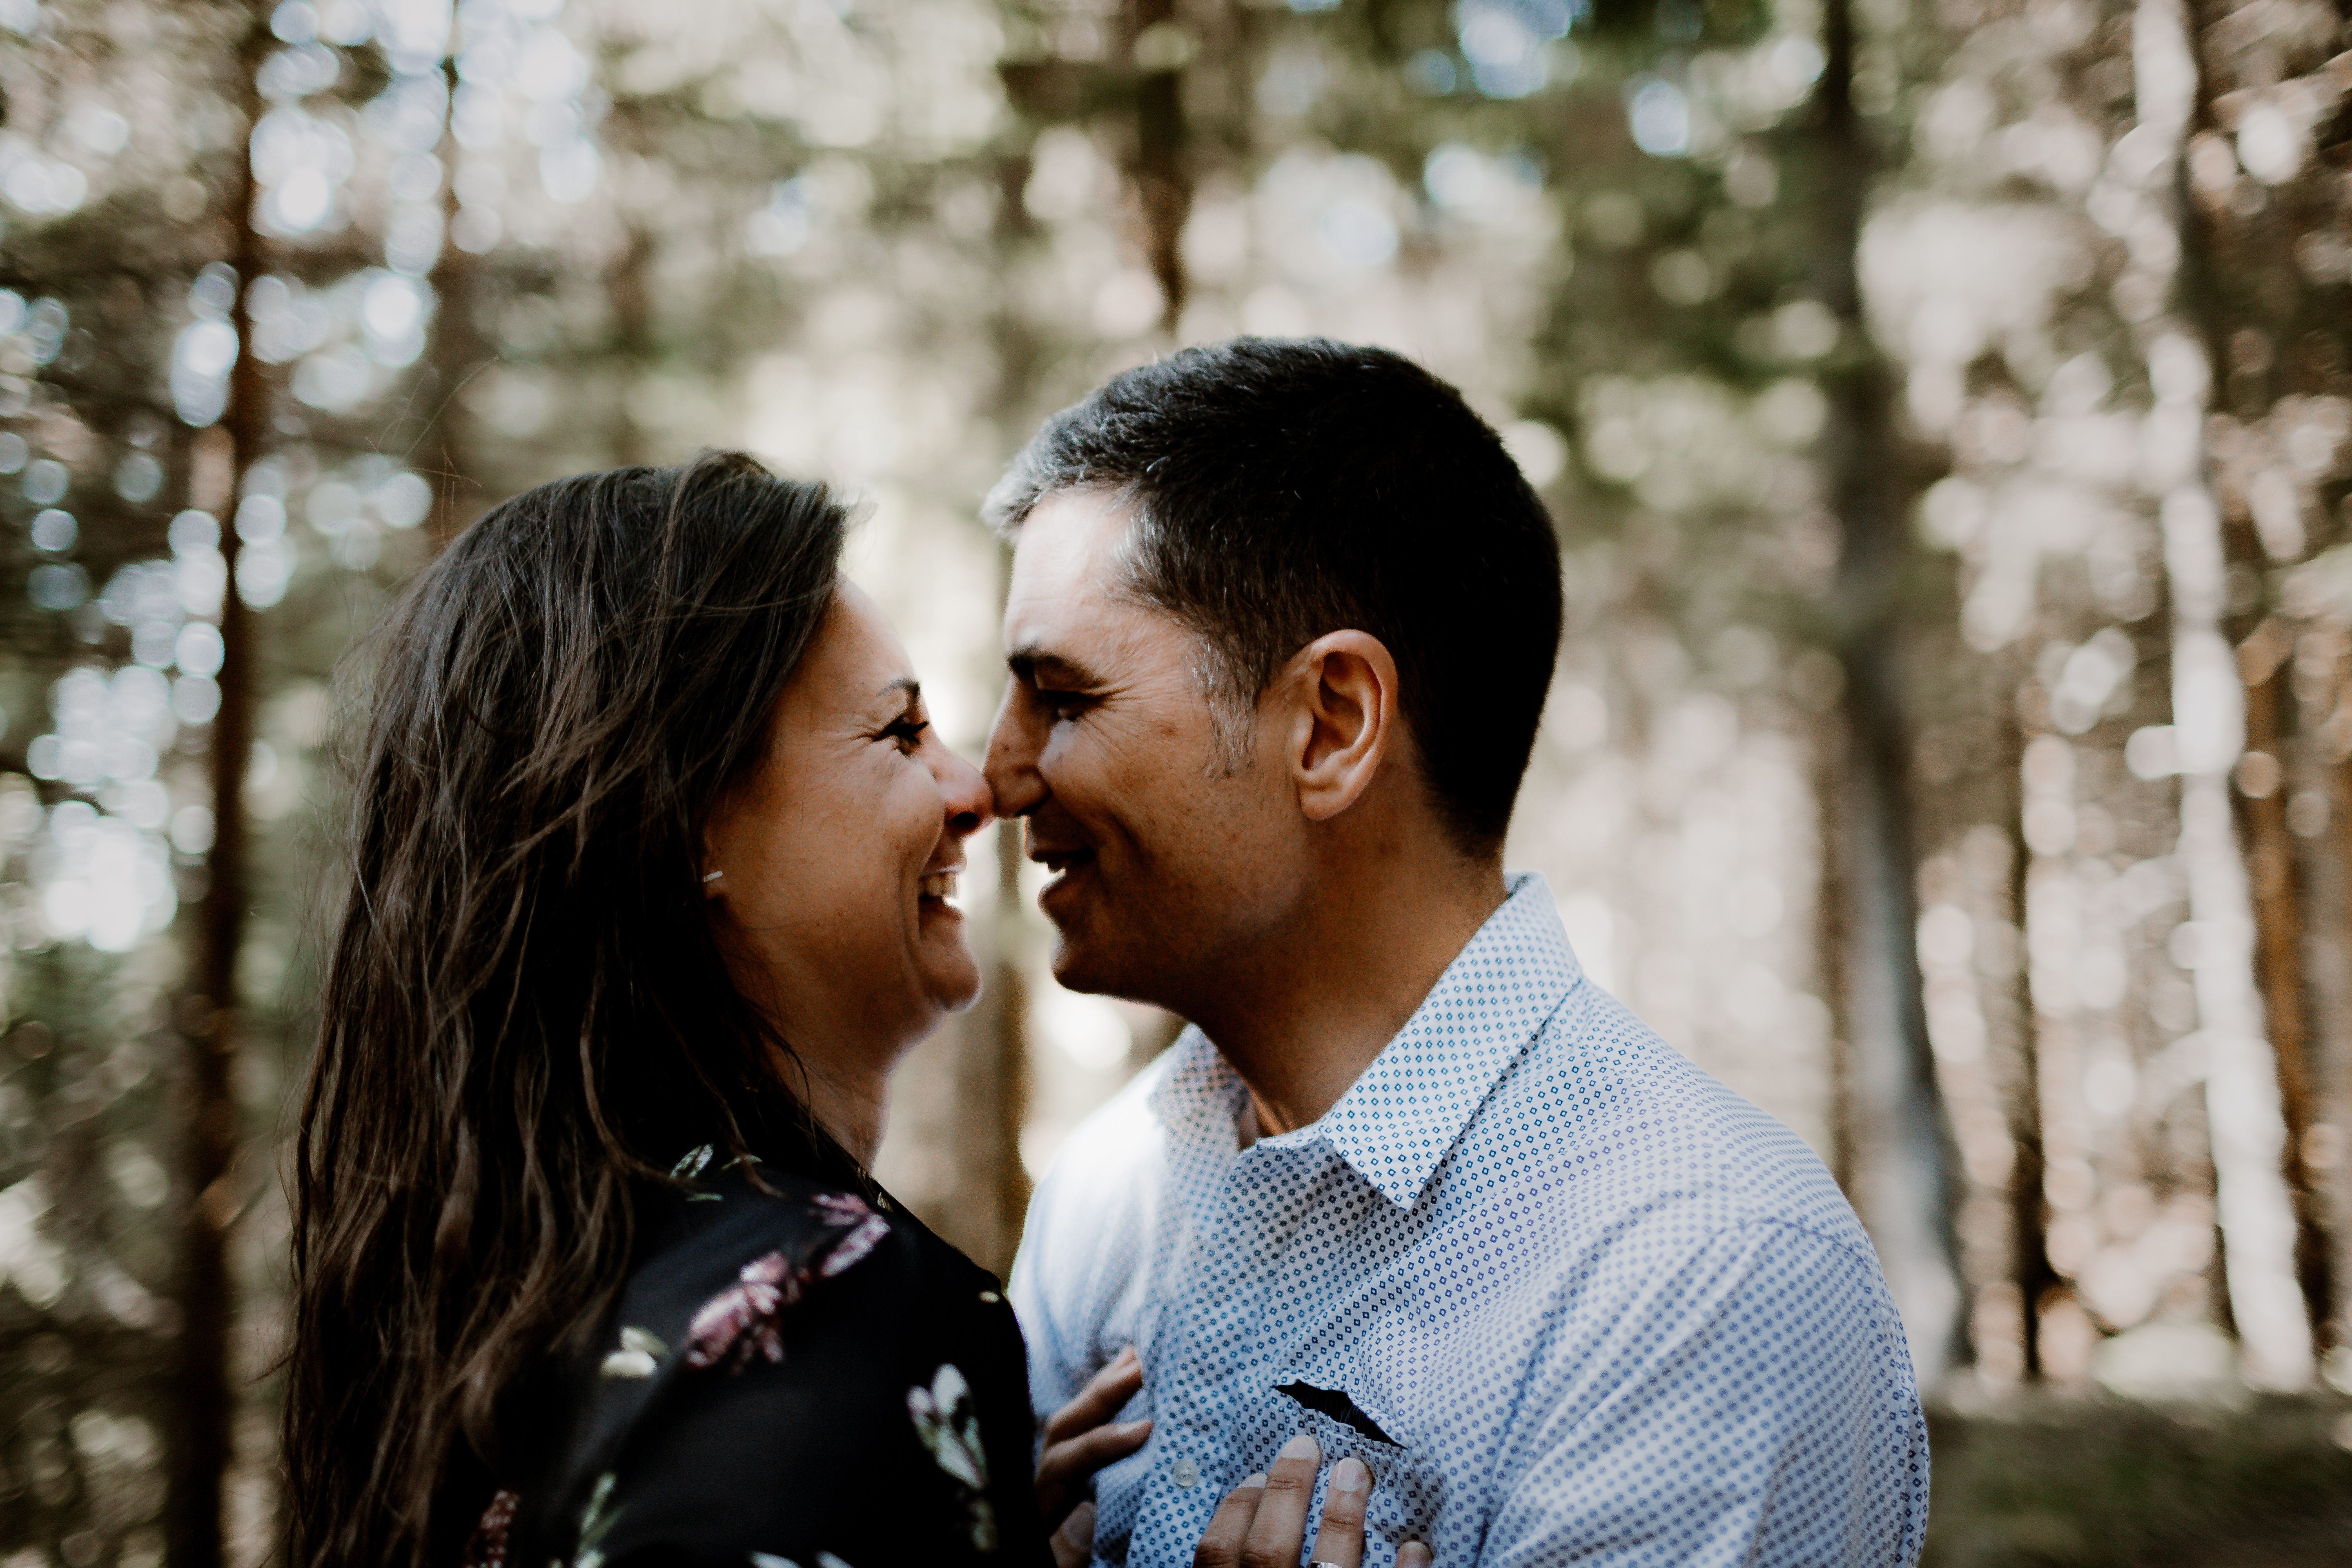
(1346, 722)
(718, 841)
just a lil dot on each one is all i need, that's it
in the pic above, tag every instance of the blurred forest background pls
(1946, 408)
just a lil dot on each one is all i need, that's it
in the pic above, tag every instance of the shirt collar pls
(1398, 1120)
(1199, 1091)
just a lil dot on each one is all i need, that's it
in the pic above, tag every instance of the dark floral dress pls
(803, 1380)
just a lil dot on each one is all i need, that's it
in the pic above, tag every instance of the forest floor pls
(2093, 1481)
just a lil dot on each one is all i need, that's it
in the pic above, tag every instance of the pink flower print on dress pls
(486, 1547)
(848, 1212)
(745, 1320)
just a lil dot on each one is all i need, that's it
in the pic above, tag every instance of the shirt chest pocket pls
(1407, 1490)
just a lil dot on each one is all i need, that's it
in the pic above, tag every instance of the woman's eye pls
(907, 732)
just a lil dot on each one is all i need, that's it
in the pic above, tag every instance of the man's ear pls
(1345, 723)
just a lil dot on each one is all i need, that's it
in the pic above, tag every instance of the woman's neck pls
(848, 1104)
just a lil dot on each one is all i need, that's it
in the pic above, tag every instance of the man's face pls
(1167, 859)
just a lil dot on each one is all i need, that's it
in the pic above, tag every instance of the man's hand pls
(1263, 1521)
(1081, 1439)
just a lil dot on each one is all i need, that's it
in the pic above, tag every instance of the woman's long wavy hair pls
(525, 1009)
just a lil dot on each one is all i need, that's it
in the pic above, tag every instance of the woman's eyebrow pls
(897, 699)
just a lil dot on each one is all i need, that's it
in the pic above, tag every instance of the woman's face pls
(837, 857)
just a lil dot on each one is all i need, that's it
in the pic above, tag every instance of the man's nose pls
(1010, 765)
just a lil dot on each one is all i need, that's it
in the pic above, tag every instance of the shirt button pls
(1185, 1474)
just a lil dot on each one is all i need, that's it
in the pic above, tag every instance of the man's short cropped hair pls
(1284, 489)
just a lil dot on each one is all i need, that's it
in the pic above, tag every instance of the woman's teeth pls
(939, 885)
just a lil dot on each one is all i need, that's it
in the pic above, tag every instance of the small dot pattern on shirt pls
(1608, 1312)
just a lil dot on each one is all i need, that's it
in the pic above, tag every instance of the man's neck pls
(1301, 1017)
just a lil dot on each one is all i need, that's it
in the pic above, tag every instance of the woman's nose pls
(965, 792)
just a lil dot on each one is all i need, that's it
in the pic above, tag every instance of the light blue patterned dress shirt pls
(1570, 1298)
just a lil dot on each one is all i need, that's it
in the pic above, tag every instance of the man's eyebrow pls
(1031, 664)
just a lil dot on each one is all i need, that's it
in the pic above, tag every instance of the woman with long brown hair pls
(652, 857)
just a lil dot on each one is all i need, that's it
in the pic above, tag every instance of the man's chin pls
(1080, 965)
(1103, 954)
(1072, 969)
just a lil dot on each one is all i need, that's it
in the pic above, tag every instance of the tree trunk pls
(459, 354)
(203, 1399)
(628, 284)
(2279, 893)
(2329, 1150)
(2029, 1230)
(2281, 897)
(1164, 185)
(993, 1065)
(1900, 1160)
(992, 1073)
(2241, 1085)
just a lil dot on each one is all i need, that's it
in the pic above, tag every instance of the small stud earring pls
(710, 877)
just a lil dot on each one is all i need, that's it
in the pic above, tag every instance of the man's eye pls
(1063, 704)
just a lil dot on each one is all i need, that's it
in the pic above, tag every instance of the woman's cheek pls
(923, 812)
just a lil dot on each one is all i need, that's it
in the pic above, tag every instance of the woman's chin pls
(959, 997)
(951, 977)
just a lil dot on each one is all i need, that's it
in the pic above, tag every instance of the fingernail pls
(1350, 1475)
(1301, 1447)
(1249, 1481)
